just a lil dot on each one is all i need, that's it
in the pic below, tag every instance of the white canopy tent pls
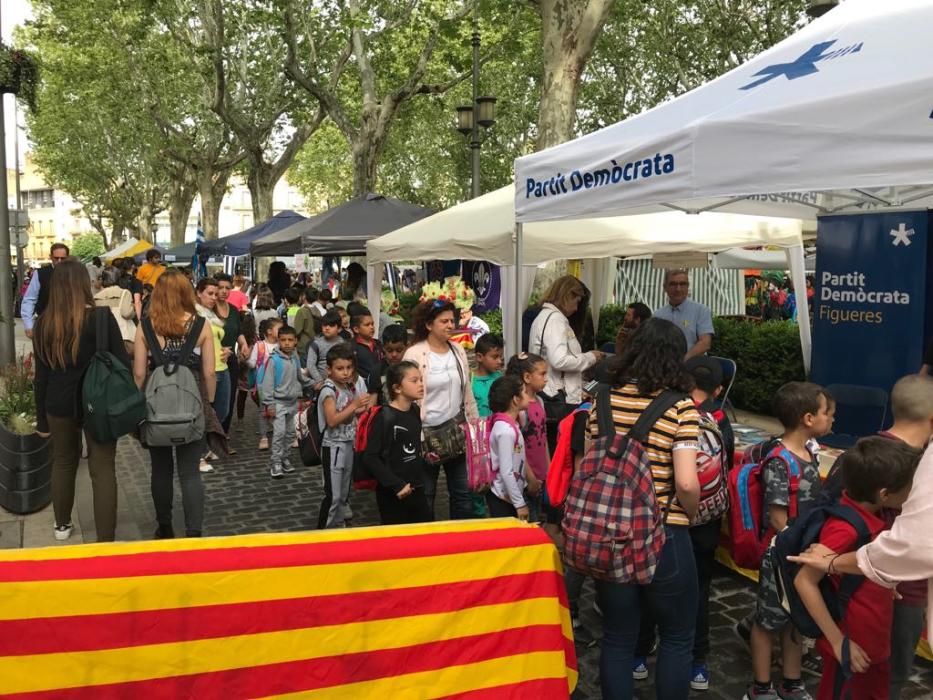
(484, 229)
(835, 119)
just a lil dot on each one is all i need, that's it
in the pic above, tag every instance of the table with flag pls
(473, 609)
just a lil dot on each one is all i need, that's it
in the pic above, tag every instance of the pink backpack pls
(478, 452)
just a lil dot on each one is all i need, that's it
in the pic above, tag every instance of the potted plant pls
(25, 456)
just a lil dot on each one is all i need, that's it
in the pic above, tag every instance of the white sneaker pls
(276, 471)
(287, 467)
(63, 532)
(205, 467)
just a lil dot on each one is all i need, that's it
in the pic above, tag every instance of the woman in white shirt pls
(448, 401)
(552, 338)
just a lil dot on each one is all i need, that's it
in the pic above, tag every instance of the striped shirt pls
(678, 428)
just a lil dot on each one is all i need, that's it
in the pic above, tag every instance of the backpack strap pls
(652, 414)
(100, 327)
(792, 464)
(460, 374)
(153, 342)
(188, 347)
(605, 424)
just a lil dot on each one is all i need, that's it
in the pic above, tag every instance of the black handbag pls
(445, 442)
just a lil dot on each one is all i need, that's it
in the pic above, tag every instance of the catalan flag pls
(472, 609)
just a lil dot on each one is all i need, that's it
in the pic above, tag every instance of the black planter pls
(25, 472)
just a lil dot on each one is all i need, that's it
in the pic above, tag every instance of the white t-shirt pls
(443, 391)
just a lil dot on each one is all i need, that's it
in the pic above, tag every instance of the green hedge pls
(494, 320)
(767, 355)
(610, 318)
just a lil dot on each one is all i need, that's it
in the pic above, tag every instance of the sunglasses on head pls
(438, 303)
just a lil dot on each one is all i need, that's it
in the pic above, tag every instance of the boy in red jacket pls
(877, 474)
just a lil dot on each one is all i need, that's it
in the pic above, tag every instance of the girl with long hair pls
(448, 402)
(65, 340)
(172, 314)
(651, 363)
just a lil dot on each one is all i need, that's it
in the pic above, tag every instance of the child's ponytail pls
(522, 364)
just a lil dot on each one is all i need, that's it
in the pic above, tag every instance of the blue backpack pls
(278, 363)
(797, 538)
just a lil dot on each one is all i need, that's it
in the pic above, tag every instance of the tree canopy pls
(145, 103)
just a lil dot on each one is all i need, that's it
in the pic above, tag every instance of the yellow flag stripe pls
(26, 600)
(87, 551)
(492, 673)
(23, 674)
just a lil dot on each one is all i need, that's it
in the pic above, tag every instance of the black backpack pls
(797, 538)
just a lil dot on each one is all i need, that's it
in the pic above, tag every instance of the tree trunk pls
(211, 187)
(366, 153)
(261, 181)
(116, 236)
(145, 223)
(180, 199)
(569, 29)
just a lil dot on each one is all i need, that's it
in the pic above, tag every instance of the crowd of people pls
(286, 348)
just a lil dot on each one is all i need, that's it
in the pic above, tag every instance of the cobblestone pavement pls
(241, 498)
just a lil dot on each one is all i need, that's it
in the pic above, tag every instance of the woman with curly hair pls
(651, 363)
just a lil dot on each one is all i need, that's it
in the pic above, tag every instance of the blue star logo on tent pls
(802, 66)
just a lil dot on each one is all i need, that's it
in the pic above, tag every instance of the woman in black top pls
(233, 339)
(393, 450)
(65, 340)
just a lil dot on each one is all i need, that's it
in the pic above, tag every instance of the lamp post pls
(481, 113)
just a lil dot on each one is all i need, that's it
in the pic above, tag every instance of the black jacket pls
(393, 451)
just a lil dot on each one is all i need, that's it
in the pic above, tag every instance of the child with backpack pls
(506, 497)
(713, 462)
(342, 398)
(320, 346)
(280, 389)
(853, 613)
(489, 361)
(790, 480)
(912, 407)
(256, 362)
(393, 450)
(532, 370)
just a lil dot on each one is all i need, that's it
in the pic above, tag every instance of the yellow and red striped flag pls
(470, 609)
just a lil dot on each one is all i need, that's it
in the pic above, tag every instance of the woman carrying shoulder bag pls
(448, 402)
(120, 303)
(65, 340)
(172, 316)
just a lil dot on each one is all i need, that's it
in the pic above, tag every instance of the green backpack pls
(113, 405)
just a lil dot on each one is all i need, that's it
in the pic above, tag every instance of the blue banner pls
(869, 310)
(484, 279)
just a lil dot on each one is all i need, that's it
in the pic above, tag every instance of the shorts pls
(769, 614)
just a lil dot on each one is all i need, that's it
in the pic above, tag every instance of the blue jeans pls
(221, 403)
(672, 599)
(461, 505)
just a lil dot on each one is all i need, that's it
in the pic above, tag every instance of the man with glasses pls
(693, 319)
(37, 293)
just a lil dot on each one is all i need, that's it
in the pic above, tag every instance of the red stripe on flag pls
(535, 689)
(325, 672)
(128, 629)
(272, 556)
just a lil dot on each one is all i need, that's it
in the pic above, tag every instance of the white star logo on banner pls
(901, 235)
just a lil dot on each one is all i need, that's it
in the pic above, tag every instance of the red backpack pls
(748, 515)
(613, 525)
(362, 479)
(560, 472)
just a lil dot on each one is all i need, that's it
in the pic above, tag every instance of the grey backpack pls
(174, 412)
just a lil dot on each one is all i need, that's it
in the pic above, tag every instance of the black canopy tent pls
(239, 243)
(342, 230)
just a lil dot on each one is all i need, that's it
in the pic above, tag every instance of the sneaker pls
(276, 471)
(753, 694)
(63, 532)
(205, 466)
(797, 692)
(164, 532)
(211, 456)
(287, 467)
(700, 677)
(264, 443)
(640, 668)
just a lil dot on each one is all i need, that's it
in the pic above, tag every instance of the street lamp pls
(818, 8)
(481, 113)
